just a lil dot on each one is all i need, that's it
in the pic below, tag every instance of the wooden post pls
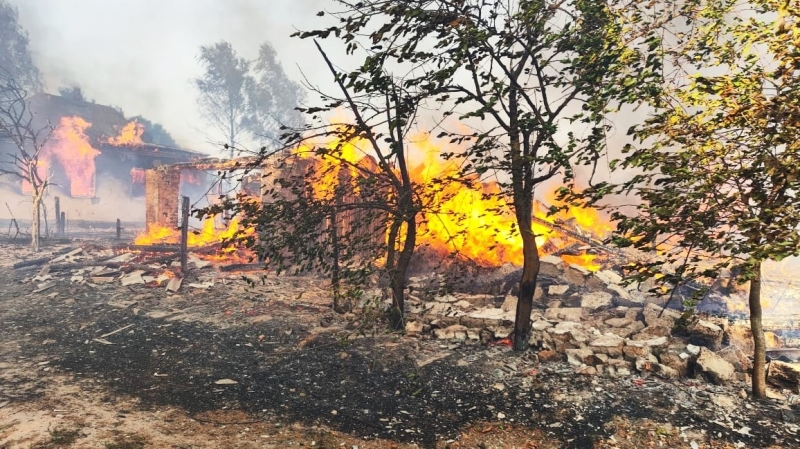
(119, 229)
(184, 233)
(58, 216)
(63, 223)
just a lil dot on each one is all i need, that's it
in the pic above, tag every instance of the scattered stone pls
(578, 357)
(564, 313)
(587, 370)
(655, 315)
(704, 333)
(784, 375)
(713, 367)
(548, 355)
(693, 350)
(541, 325)
(619, 322)
(551, 266)
(509, 304)
(676, 362)
(414, 327)
(609, 344)
(576, 275)
(557, 290)
(736, 357)
(596, 300)
(226, 382)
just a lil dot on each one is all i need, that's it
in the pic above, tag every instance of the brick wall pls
(162, 190)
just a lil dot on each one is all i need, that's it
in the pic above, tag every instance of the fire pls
(130, 134)
(71, 148)
(474, 221)
(208, 235)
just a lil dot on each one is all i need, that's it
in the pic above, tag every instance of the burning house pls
(95, 159)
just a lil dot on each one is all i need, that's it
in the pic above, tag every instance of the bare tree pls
(17, 126)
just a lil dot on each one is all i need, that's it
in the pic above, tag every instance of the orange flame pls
(474, 222)
(206, 236)
(130, 134)
(71, 148)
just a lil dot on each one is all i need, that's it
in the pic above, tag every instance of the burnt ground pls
(304, 374)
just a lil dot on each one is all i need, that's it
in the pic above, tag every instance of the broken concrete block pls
(713, 367)
(632, 353)
(414, 327)
(736, 357)
(675, 362)
(596, 300)
(609, 344)
(618, 322)
(578, 357)
(509, 304)
(576, 275)
(704, 333)
(541, 325)
(557, 290)
(655, 315)
(587, 370)
(551, 266)
(608, 277)
(784, 375)
(564, 313)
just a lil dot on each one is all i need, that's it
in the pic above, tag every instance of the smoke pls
(140, 55)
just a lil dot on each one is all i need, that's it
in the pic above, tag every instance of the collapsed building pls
(95, 160)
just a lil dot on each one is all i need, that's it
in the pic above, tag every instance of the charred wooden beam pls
(574, 235)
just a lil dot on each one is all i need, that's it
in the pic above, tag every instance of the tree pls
(17, 125)
(272, 98)
(342, 203)
(15, 53)
(223, 91)
(523, 73)
(718, 156)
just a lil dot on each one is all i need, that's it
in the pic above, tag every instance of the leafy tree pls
(15, 53)
(17, 125)
(718, 155)
(523, 73)
(155, 133)
(272, 98)
(344, 198)
(223, 91)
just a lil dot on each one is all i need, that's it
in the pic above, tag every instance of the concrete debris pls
(713, 367)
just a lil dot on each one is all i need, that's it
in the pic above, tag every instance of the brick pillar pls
(162, 191)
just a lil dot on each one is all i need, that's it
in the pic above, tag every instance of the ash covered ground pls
(234, 360)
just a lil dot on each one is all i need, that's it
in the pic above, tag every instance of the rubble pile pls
(600, 328)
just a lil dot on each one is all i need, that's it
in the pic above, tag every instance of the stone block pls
(576, 275)
(557, 290)
(704, 333)
(609, 344)
(580, 356)
(655, 315)
(675, 362)
(596, 300)
(736, 357)
(713, 367)
(551, 266)
(564, 313)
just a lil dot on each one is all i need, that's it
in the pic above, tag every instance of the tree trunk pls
(759, 342)
(398, 278)
(36, 225)
(527, 287)
(340, 304)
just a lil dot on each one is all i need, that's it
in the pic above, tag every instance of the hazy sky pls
(140, 55)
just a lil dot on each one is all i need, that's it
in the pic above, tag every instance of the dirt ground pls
(266, 364)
